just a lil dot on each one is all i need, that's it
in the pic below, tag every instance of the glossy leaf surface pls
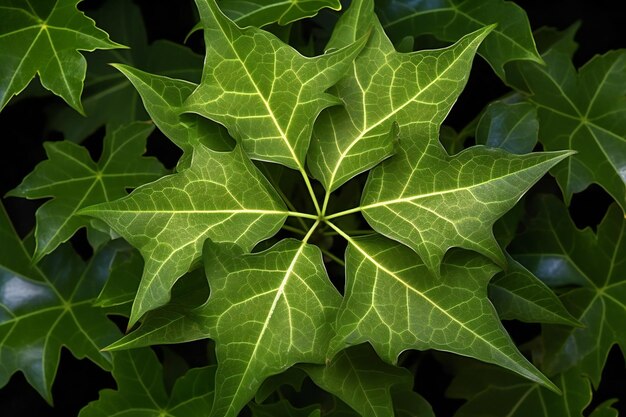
(75, 181)
(43, 38)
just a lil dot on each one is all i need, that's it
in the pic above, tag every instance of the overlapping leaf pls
(360, 379)
(384, 87)
(74, 181)
(498, 393)
(262, 12)
(561, 255)
(450, 19)
(221, 196)
(141, 392)
(271, 310)
(45, 308)
(583, 111)
(44, 38)
(284, 409)
(432, 202)
(395, 303)
(163, 98)
(262, 90)
(510, 126)
(109, 99)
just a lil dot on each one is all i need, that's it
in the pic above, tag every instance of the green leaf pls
(123, 281)
(221, 196)
(141, 392)
(262, 90)
(414, 91)
(432, 202)
(497, 393)
(448, 20)
(519, 295)
(75, 181)
(270, 310)
(163, 98)
(510, 126)
(109, 99)
(45, 308)
(582, 111)
(263, 12)
(360, 379)
(283, 409)
(44, 38)
(395, 303)
(561, 255)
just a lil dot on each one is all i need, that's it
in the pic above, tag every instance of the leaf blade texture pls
(44, 38)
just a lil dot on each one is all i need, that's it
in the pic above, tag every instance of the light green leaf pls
(561, 255)
(519, 295)
(270, 310)
(450, 19)
(263, 12)
(43, 38)
(163, 98)
(75, 181)
(432, 202)
(497, 393)
(394, 302)
(414, 91)
(221, 196)
(583, 111)
(109, 99)
(510, 126)
(262, 90)
(45, 308)
(359, 378)
(141, 393)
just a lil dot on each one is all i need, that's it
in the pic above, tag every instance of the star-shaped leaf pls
(384, 88)
(262, 90)
(74, 180)
(221, 196)
(448, 20)
(432, 202)
(44, 37)
(141, 391)
(44, 308)
(394, 302)
(561, 255)
(109, 98)
(583, 111)
(270, 310)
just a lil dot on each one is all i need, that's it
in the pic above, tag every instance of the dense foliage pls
(316, 228)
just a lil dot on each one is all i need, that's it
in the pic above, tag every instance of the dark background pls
(23, 130)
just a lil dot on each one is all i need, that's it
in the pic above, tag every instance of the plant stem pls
(344, 213)
(349, 232)
(333, 257)
(303, 215)
(294, 229)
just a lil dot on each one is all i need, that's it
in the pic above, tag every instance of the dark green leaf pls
(510, 126)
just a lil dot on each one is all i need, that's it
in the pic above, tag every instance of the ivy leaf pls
(263, 12)
(432, 202)
(519, 295)
(75, 181)
(46, 307)
(262, 90)
(583, 111)
(221, 196)
(497, 393)
(44, 38)
(558, 253)
(109, 99)
(141, 392)
(448, 20)
(270, 310)
(510, 126)
(394, 302)
(384, 87)
(360, 379)
(163, 98)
